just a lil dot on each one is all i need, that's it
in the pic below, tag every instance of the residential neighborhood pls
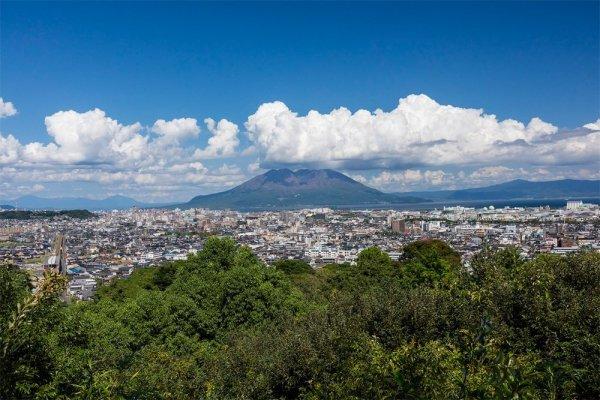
(113, 243)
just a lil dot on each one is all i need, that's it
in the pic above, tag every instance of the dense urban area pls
(109, 245)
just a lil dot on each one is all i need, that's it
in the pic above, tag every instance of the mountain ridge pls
(518, 189)
(305, 188)
(284, 188)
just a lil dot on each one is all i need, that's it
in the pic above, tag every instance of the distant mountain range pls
(77, 203)
(518, 189)
(283, 188)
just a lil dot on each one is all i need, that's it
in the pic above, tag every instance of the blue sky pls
(142, 62)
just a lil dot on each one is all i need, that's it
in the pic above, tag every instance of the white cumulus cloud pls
(593, 126)
(224, 140)
(177, 129)
(418, 132)
(10, 149)
(419, 144)
(7, 109)
(93, 147)
(89, 137)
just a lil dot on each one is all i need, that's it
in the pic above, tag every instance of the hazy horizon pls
(119, 195)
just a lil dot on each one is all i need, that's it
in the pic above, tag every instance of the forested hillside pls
(25, 215)
(222, 325)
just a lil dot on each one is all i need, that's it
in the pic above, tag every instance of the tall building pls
(57, 259)
(574, 204)
(398, 226)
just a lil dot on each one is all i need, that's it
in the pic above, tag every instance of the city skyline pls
(399, 96)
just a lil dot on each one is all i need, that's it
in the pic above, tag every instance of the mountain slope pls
(519, 189)
(283, 188)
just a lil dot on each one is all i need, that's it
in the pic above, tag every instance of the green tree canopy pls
(292, 267)
(223, 325)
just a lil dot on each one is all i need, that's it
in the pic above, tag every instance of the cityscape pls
(111, 244)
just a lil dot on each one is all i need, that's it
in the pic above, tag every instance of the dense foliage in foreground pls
(223, 325)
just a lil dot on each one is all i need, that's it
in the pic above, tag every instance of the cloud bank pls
(418, 132)
(419, 144)
(93, 147)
